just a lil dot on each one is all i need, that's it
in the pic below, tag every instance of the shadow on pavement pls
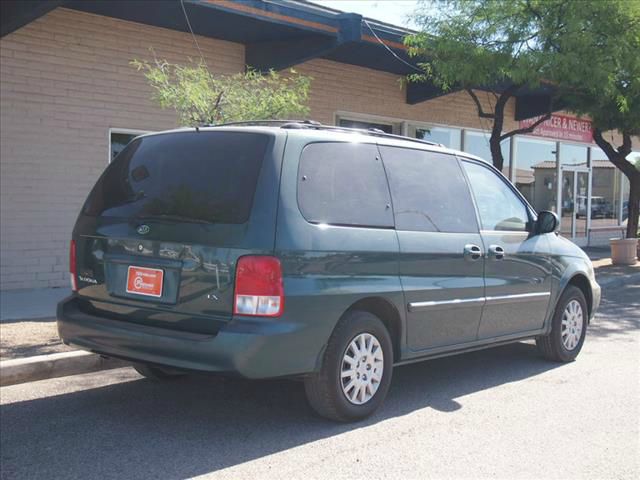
(615, 317)
(193, 426)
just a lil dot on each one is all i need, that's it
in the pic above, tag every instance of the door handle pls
(496, 251)
(472, 252)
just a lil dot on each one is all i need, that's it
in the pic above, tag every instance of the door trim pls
(498, 299)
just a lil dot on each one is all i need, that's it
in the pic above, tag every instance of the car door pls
(440, 261)
(517, 269)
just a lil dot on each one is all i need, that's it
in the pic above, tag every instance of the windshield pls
(193, 176)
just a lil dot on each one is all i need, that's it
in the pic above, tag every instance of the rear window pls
(344, 184)
(198, 176)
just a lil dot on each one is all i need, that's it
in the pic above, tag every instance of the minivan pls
(313, 252)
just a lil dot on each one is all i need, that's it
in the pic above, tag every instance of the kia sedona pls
(318, 253)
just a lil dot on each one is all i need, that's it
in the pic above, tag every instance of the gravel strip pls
(28, 338)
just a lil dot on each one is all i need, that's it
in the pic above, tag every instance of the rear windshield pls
(190, 176)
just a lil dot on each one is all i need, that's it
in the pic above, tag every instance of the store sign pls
(562, 127)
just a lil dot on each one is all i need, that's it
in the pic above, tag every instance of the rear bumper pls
(252, 348)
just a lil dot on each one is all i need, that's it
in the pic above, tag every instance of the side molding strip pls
(469, 302)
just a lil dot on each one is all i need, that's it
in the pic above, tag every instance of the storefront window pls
(534, 172)
(118, 139)
(575, 155)
(477, 143)
(605, 190)
(449, 137)
(385, 127)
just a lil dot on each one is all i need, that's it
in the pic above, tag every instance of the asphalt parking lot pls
(499, 413)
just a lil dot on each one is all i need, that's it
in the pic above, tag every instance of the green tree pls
(594, 55)
(200, 98)
(585, 51)
(480, 44)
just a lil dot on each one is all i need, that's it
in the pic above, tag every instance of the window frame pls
(124, 131)
(533, 217)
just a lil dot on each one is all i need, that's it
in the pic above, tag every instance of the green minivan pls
(318, 253)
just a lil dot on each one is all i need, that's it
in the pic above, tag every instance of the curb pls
(617, 281)
(41, 367)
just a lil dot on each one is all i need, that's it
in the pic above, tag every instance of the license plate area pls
(117, 277)
(145, 281)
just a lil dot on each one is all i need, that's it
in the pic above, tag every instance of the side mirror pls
(547, 222)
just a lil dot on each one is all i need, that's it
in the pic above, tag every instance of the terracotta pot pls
(624, 251)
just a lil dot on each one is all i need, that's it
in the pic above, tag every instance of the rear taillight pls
(259, 289)
(72, 266)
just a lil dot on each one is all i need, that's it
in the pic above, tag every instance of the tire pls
(326, 392)
(155, 373)
(565, 346)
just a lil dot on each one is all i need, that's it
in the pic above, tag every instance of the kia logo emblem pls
(143, 229)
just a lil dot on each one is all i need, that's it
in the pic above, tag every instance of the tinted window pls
(429, 191)
(343, 184)
(205, 176)
(498, 205)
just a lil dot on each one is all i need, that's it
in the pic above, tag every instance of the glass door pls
(575, 208)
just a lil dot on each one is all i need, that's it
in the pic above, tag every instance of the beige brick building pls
(67, 90)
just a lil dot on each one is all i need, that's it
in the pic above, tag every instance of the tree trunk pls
(618, 156)
(494, 146)
(634, 205)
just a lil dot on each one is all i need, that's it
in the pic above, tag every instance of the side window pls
(498, 205)
(343, 184)
(429, 191)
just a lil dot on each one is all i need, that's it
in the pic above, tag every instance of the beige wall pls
(64, 81)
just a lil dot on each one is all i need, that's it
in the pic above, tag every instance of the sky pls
(389, 11)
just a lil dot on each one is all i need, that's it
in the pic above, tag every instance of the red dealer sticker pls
(145, 281)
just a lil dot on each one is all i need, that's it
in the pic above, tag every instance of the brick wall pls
(65, 80)
(342, 87)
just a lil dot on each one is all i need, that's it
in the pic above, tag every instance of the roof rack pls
(262, 122)
(376, 132)
(311, 124)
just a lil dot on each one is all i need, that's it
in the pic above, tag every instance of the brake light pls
(72, 266)
(259, 289)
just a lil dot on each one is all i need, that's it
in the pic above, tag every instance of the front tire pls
(355, 375)
(568, 327)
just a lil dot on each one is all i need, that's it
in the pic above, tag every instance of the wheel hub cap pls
(362, 368)
(572, 325)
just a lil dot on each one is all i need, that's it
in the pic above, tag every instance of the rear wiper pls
(178, 218)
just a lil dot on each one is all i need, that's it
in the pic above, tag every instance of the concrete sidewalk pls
(30, 304)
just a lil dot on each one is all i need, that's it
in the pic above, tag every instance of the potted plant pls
(625, 251)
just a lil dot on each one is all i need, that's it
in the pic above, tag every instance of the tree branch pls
(481, 112)
(617, 156)
(529, 129)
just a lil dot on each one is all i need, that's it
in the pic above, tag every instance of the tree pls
(585, 51)
(480, 44)
(200, 97)
(592, 50)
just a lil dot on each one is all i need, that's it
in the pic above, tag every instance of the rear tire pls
(155, 373)
(568, 327)
(355, 375)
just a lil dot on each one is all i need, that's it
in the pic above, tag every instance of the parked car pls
(318, 253)
(600, 207)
